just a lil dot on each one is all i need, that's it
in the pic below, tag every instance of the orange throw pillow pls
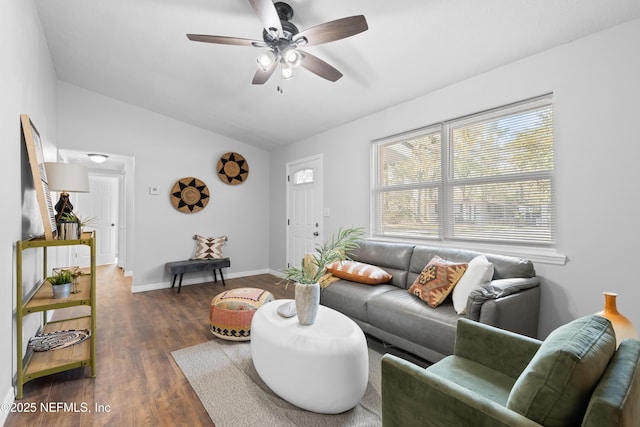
(437, 280)
(359, 272)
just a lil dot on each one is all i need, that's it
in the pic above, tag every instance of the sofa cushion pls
(479, 271)
(400, 313)
(359, 272)
(351, 298)
(555, 388)
(437, 280)
(394, 258)
(474, 376)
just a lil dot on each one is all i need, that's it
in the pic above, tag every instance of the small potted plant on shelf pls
(314, 266)
(61, 284)
(75, 222)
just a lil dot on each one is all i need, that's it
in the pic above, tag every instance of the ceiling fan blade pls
(260, 77)
(334, 30)
(319, 67)
(225, 40)
(267, 14)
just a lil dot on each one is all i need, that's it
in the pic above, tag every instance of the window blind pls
(486, 177)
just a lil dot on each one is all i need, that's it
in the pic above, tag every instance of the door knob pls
(316, 234)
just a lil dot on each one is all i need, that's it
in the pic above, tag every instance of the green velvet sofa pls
(576, 377)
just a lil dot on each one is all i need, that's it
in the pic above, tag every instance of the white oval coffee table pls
(322, 368)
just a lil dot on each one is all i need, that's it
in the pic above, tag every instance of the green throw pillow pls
(555, 388)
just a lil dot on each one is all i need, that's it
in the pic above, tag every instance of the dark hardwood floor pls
(137, 383)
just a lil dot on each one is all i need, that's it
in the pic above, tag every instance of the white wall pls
(597, 149)
(166, 150)
(28, 85)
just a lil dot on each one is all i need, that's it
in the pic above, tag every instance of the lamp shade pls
(67, 177)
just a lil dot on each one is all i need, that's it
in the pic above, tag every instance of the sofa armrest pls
(500, 350)
(512, 304)
(614, 402)
(413, 396)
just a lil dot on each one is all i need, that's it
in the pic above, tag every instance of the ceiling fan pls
(283, 40)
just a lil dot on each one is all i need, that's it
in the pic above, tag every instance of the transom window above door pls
(303, 176)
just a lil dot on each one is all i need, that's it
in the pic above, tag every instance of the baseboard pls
(7, 403)
(195, 281)
(276, 273)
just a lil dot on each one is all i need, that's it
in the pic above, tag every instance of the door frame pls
(320, 185)
(118, 178)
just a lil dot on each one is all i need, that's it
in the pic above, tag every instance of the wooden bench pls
(194, 265)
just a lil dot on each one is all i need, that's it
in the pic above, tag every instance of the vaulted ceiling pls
(136, 51)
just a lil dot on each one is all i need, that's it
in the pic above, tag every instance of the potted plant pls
(307, 276)
(71, 225)
(61, 284)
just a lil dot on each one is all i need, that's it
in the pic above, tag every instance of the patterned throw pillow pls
(209, 247)
(437, 280)
(359, 272)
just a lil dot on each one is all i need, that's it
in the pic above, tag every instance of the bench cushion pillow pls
(209, 247)
(555, 388)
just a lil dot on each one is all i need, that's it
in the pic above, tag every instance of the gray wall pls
(164, 151)
(28, 85)
(597, 152)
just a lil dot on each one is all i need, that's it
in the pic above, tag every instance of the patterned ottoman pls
(232, 311)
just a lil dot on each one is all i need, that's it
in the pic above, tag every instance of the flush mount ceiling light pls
(98, 158)
(283, 40)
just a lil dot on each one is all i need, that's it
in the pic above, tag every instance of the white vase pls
(61, 291)
(307, 301)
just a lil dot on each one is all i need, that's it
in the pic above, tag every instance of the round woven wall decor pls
(189, 195)
(233, 169)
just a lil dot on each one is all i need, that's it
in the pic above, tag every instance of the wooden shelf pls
(49, 362)
(43, 298)
(78, 311)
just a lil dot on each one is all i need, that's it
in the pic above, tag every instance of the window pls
(303, 176)
(482, 178)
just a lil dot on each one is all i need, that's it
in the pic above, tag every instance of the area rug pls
(224, 378)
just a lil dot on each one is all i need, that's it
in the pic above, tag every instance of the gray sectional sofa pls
(388, 312)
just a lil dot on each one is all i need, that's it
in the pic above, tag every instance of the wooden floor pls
(137, 383)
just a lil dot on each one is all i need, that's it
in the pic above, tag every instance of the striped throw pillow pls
(359, 272)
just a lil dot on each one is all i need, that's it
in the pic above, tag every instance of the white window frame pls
(537, 252)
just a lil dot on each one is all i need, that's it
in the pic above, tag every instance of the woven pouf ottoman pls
(232, 311)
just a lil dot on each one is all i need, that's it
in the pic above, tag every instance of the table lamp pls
(65, 177)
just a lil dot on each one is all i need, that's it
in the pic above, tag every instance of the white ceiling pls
(136, 51)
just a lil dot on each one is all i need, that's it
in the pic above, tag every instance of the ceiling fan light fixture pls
(292, 57)
(286, 72)
(266, 60)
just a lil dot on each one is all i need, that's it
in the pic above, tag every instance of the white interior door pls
(304, 207)
(100, 203)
